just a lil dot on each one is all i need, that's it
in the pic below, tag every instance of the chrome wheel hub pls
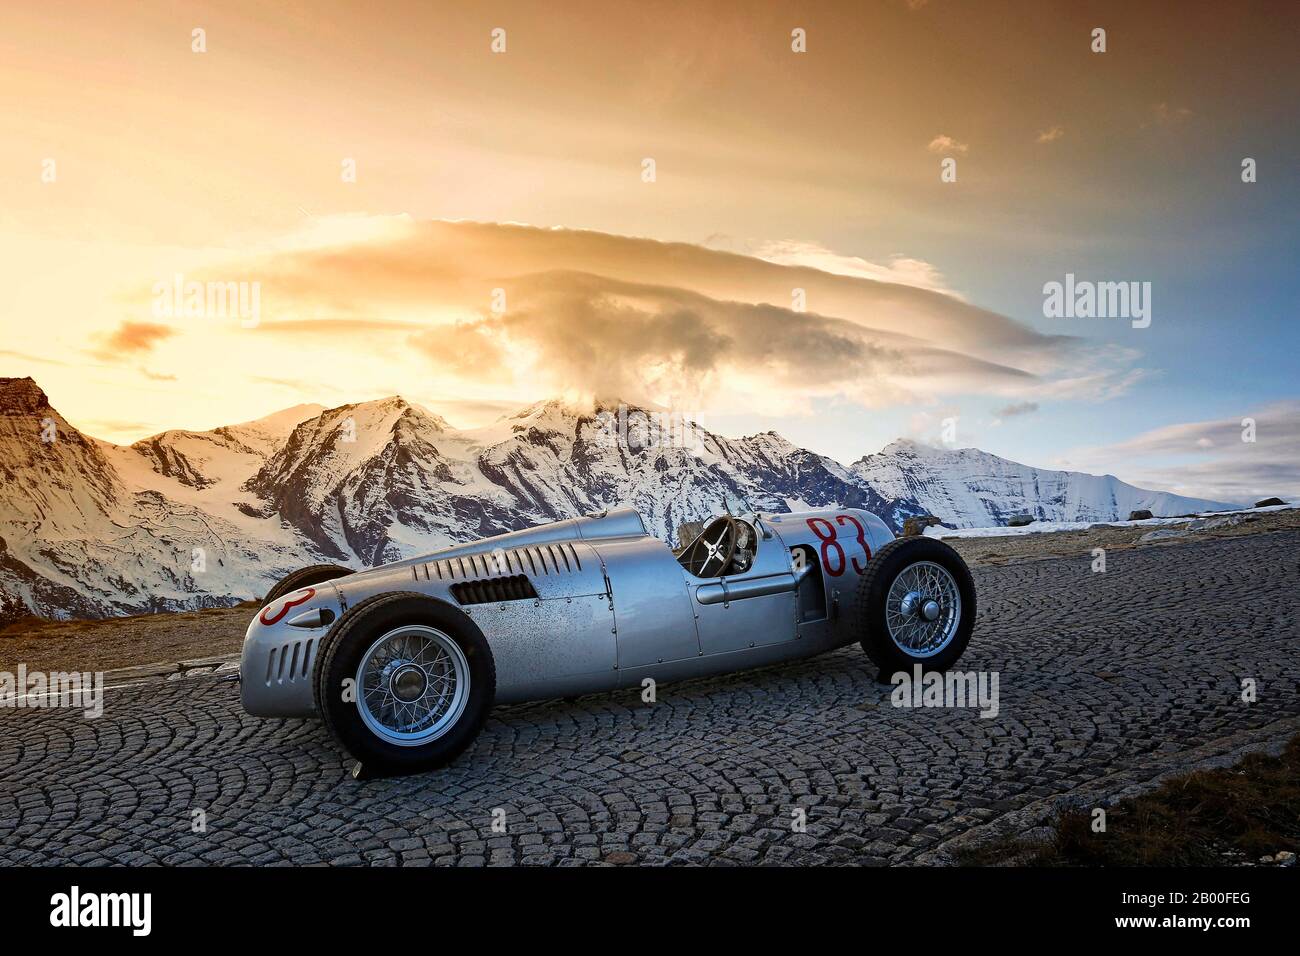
(408, 683)
(412, 685)
(923, 609)
(914, 602)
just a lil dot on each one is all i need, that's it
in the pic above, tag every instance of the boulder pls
(917, 524)
(1141, 515)
(1161, 533)
(1196, 524)
(1019, 521)
(1223, 521)
(1269, 502)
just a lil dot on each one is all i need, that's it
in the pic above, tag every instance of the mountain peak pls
(770, 439)
(21, 396)
(907, 446)
(583, 407)
(910, 447)
(391, 401)
(286, 418)
(377, 411)
(543, 407)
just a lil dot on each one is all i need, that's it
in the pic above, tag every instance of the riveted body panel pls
(752, 609)
(651, 608)
(552, 648)
(839, 543)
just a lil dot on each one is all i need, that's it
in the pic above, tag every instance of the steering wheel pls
(711, 553)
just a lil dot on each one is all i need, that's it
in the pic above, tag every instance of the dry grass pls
(123, 641)
(1205, 818)
(1058, 544)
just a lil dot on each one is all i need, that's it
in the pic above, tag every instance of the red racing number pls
(828, 541)
(862, 540)
(827, 535)
(291, 601)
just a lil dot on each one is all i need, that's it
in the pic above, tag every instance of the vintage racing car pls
(404, 661)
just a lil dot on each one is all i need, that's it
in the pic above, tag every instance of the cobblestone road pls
(1104, 679)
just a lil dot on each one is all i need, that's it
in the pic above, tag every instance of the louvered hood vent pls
(517, 587)
(544, 559)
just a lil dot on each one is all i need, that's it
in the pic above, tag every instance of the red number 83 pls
(827, 535)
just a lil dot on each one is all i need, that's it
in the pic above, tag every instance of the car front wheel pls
(917, 601)
(405, 683)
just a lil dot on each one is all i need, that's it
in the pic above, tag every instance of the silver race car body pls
(596, 603)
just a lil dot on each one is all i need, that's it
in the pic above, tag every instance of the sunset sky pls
(128, 158)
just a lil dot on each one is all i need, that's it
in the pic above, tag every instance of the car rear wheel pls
(305, 577)
(405, 682)
(917, 601)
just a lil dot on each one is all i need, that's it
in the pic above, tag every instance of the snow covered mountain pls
(195, 519)
(970, 488)
(89, 529)
(381, 480)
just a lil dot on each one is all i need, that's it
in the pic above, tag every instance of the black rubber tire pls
(873, 588)
(347, 642)
(305, 577)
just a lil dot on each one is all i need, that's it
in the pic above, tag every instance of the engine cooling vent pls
(514, 588)
(289, 662)
(548, 559)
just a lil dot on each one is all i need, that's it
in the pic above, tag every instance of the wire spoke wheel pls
(412, 685)
(923, 609)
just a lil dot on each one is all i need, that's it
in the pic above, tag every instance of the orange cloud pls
(132, 338)
(670, 323)
(946, 144)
